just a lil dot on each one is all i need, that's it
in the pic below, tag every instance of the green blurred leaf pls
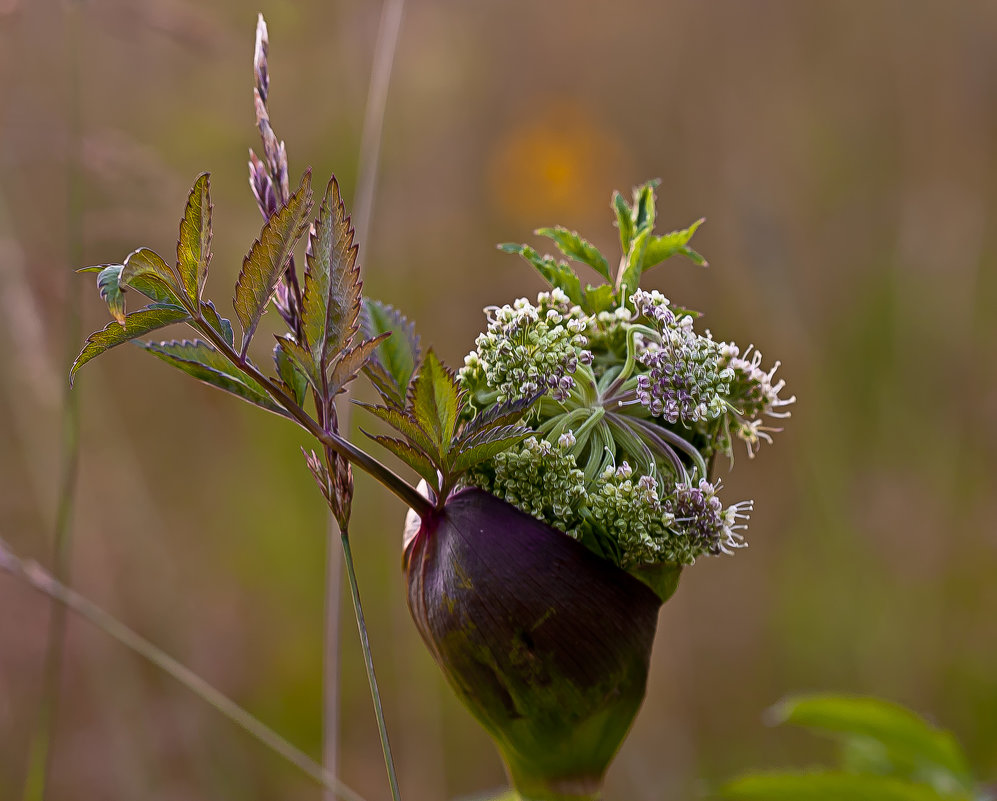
(136, 324)
(221, 325)
(203, 362)
(830, 786)
(293, 379)
(662, 247)
(574, 247)
(557, 274)
(599, 299)
(331, 304)
(911, 744)
(111, 292)
(396, 357)
(267, 259)
(145, 271)
(194, 244)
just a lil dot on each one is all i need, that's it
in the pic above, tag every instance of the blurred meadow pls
(845, 156)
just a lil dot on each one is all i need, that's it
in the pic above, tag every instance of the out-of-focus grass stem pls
(39, 755)
(65, 598)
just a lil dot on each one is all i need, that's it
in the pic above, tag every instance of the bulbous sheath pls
(547, 644)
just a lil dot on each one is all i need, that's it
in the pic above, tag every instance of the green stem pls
(369, 663)
(42, 581)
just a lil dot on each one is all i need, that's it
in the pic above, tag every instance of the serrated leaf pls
(145, 271)
(331, 304)
(910, 741)
(405, 424)
(267, 259)
(396, 358)
(221, 325)
(486, 444)
(662, 247)
(201, 361)
(575, 247)
(436, 402)
(303, 360)
(136, 324)
(111, 292)
(194, 242)
(831, 786)
(350, 362)
(557, 274)
(500, 414)
(294, 380)
(624, 221)
(414, 458)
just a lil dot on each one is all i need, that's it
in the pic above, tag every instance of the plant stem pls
(42, 581)
(39, 756)
(369, 661)
(408, 494)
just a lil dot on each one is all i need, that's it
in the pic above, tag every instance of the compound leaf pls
(662, 247)
(395, 360)
(413, 457)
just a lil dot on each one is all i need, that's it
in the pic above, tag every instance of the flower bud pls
(547, 644)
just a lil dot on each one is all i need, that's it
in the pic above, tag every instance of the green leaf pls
(500, 414)
(221, 325)
(267, 259)
(293, 379)
(302, 359)
(405, 424)
(351, 361)
(485, 444)
(203, 362)
(557, 274)
(331, 303)
(624, 221)
(831, 786)
(194, 243)
(660, 248)
(396, 357)
(111, 292)
(145, 271)
(910, 742)
(643, 208)
(436, 403)
(599, 299)
(574, 247)
(136, 324)
(414, 458)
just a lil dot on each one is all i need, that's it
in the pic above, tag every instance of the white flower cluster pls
(753, 393)
(528, 349)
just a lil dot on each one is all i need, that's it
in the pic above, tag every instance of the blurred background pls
(844, 156)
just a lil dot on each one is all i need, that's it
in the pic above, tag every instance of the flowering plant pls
(566, 467)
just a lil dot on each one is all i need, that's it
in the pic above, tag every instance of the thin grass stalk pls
(44, 582)
(40, 751)
(370, 148)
